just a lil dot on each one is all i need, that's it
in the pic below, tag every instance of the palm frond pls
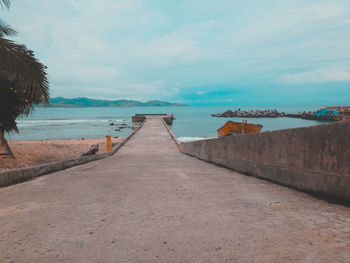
(19, 65)
(6, 30)
(5, 3)
(12, 105)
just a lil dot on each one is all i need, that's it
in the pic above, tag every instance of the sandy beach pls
(38, 152)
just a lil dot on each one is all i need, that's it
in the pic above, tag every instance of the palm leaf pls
(5, 3)
(12, 105)
(6, 30)
(19, 65)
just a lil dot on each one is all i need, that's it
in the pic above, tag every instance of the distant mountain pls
(85, 102)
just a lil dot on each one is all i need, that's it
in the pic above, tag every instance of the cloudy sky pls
(225, 52)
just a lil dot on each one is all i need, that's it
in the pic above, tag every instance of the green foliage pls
(10, 96)
(23, 79)
(5, 3)
(6, 30)
(19, 66)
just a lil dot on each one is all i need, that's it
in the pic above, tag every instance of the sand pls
(30, 153)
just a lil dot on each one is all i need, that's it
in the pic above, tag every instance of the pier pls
(151, 203)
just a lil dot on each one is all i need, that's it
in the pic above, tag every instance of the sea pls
(191, 122)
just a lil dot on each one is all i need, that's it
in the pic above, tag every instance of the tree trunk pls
(3, 142)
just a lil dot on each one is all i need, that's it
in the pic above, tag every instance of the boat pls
(231, 128)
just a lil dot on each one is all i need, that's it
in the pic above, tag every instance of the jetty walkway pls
(150, 203)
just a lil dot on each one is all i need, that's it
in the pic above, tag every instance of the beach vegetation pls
(23, 78)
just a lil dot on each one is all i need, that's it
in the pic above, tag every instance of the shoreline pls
(35, 152)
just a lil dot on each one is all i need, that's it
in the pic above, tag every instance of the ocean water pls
(191, 123)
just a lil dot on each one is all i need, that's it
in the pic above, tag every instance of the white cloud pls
(319, 76)
(92, 7)
(159, 49)
(322, 11)
(89, 73)
(151, 88)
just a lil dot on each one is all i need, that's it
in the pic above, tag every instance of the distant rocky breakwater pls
(313, 116)
(275, 114)
(250, 114)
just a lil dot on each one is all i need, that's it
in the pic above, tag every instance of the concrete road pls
(149, 203)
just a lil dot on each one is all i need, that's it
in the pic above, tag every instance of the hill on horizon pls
(86, 102)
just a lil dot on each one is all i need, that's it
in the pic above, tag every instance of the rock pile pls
(119, 127)
(250, 114)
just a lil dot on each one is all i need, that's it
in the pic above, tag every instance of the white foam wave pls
(191, 139)
(27, 123)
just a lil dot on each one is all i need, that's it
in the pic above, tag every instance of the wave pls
(27, 123)
(192, 139)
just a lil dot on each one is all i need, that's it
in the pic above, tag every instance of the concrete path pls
(149, 203)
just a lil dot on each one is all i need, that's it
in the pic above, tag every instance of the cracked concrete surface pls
(150, 203)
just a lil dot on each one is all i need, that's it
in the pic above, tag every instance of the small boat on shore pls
(231, 128)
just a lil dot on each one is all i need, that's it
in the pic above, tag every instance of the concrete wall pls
(19, 175)
(313, 159)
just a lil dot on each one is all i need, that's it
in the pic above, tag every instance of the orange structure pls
(109, 143)
(232, 127)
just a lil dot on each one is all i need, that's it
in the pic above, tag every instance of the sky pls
(199, 52)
